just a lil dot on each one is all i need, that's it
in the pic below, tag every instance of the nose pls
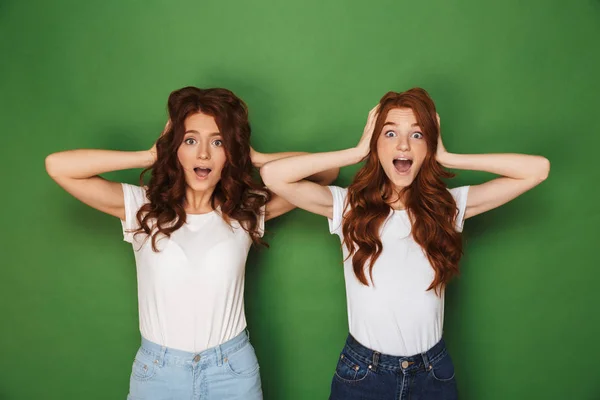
(203, 152)
(403, 144)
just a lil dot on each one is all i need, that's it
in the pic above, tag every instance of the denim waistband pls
(417, 362)
(212, 356)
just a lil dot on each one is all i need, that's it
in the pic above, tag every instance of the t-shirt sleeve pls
(460, 195)
(261, 214)
(339, 200)
(261, 220)
(134, 198)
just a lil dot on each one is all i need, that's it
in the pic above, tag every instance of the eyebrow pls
(393, 124)
(212, 134)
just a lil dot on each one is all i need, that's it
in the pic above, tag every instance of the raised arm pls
(520, 173)
(322, 178)
(77, 172)
(287, 177)
(278, 205)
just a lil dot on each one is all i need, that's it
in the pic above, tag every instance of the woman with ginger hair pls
(400, 229)
(191, 229)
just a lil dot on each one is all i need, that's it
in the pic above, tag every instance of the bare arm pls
(77, 172)
(287, 177)
(278, 205)
(519, 172)
(321, 177)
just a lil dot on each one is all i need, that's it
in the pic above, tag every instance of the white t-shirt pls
(190, 293)
(395, 314)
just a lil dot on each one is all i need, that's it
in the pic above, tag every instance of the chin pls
(399, 181)
(201, 187)
(402, 182)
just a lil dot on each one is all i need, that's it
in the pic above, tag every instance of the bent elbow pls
(267, 175)
(50, 164)
(544, 169)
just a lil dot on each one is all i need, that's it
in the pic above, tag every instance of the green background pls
(522, 321)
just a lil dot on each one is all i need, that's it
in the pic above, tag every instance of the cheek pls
(219, 158)
(182, 155)
(384, 148)
(420, 151)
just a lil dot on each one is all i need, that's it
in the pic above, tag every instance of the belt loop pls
(161, 358)
(426, 363)
(248, 334)
(219, 356)
(375, 360)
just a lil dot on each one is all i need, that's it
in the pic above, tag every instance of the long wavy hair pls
(239, 196)
(430, 206)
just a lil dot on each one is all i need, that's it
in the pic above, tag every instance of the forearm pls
(323, 177)
(86, 163)
(326, 177)
(317, 167)
(322, 168)
(516, 166)
(260, 159)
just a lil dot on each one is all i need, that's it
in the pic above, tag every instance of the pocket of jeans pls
(144, 366)
(350, 370)
(443, 368)
(243, 362)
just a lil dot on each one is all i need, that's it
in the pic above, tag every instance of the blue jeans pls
(225, 372)
(365, 374)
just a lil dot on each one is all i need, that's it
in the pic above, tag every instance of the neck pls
(198, 202)
(395, 198)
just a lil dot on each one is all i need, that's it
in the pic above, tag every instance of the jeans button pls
(197, 358)
(405, 364)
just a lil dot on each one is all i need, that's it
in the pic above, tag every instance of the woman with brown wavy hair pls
(400, 229)
(191, 229)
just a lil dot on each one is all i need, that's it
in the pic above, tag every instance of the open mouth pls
(402, 164)
(202, 173)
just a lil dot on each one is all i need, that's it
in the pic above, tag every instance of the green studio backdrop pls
(511, 76)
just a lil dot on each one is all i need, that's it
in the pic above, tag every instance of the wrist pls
(147, 158)
(445, 158)
(358, 154)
